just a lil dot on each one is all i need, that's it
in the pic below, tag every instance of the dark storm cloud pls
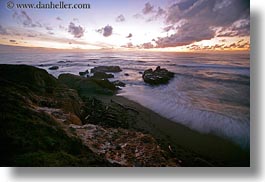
(196, 20)
(76, 31)
(120, 18)
(185, 35)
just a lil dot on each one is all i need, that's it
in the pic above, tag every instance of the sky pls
(154, 25)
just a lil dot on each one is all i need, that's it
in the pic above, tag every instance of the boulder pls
(84, 73)
(126, 74)
(113, 69)
(102, 75)
(53, 68)
(158, 76)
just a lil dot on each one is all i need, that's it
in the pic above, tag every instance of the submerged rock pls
(54, 68)
(158, 76)
(112, 69)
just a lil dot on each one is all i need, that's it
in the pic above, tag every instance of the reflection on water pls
(210, 92)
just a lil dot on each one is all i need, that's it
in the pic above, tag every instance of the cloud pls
(239, 28)
(12, 41)
(23, 18)
(120, 18)
(129, 36)
(105, 31)
(138, 16)
(58, 18)
(148, 8)
(75, 30)
(196, 20)
(48, 28)
(186, 34)
(128, 45)
(3, 31)
(147, 45)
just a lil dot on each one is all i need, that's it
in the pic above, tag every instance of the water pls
(210, 93)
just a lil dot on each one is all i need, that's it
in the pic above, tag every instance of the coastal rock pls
(112, 69)
(126, 74)
(87, 86)
(118, 83)
(158, 76)
(54, 68)
(124, 147)
(102, 75)
(84, 73)
(33, 104)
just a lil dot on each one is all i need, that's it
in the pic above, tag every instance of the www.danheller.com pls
(50, 5)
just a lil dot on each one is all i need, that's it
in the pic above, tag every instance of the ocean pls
(210, 92)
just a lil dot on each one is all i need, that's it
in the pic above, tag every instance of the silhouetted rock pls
(102, 75)
(35, 113)
(84, 73)
(53, 68)
(126, 74)
(112, 69)
(158, 76)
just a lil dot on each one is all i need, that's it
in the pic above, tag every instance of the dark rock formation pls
(84, 73)
(102, 75)
(53, 68)
(35, 111)
(88, 86)
(158, 76)
(126, 74)
(118, 83)
(112, 69)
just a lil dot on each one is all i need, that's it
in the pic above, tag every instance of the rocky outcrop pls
(158, 76)
(111, 69)
(54, 68)
(87, 86)
(46, 121)
(35, 107)
(102, 75)
(118, 83)
(124, 147)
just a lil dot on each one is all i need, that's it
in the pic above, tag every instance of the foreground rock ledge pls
(158, 76)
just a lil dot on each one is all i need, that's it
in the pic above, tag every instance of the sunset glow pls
(158, 25)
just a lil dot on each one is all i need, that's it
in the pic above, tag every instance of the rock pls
(84, 73)
(158, 76)
(53, 68)
(118, 83)
(102, 75)
(87, 86)
(112, 69)
(73, 119)
(31, 134)
(140, 72)
(126, 74)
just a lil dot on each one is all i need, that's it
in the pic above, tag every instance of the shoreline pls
(185, 142)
